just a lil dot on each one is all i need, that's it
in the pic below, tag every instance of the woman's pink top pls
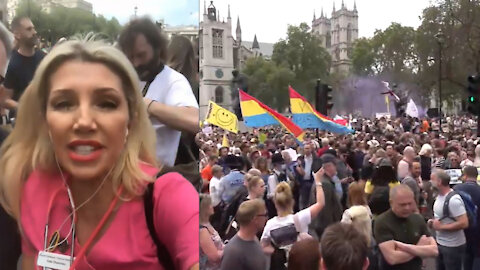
(126, 243)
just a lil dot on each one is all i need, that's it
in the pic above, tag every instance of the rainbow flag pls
(257, 114)
(305, 116)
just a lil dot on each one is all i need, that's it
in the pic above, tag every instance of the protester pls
(23, 62)
(10, 248)
(400, 248)
(211, 245)
(214, 185)
(343, 247)
(251, 218)
(332, 212)
(168, 96)
(308, 165)
(472, 236)
(275, 232)
(304, 255)
(181, 57)
(81, 151)
(448, 226)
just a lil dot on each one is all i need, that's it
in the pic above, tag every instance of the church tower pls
(338, 35)
(216, 59)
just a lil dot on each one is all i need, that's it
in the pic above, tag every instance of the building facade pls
(338, 34)
(216, 45)
(221, 53)
(189, 31)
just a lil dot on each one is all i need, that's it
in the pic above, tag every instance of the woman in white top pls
(284, 203)
(359, 213)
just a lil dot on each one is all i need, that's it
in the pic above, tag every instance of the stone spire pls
(355, 5)
(314, 18)
(255, 44)
(333, 5)
(321, 15)
(343, 5)
(228, 12)
(238, 31)
(204, 7)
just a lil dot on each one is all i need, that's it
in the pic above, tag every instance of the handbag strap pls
(162, 252)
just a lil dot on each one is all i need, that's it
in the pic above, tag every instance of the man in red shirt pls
(206, 173)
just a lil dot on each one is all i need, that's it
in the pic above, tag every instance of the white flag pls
(412, 109)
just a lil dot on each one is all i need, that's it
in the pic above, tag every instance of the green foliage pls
(303, 54)
(269, 82)
(411, 55)
(299, 61)
(67, 22)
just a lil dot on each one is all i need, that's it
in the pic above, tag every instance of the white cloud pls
(269, 18)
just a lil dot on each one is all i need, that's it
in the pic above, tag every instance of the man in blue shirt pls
(233, 181)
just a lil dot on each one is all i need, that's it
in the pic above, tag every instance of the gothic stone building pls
(338, 34)
(220, 54)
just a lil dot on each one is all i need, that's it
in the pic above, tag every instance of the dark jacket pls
(426, 165)
(331, 213)
(316, 164)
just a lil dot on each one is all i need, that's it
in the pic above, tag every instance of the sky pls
(174, 12)
(268, 19)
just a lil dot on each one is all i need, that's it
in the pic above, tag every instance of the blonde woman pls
(76, 166)
(211, 245)
(288, 226)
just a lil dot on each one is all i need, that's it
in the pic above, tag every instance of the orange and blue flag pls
(257, 114)
(305, 116)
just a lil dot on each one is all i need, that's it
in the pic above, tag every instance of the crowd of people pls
(97, 145)
(393, 181)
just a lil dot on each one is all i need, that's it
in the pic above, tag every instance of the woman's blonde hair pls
(284, 197)
(356, 194)
(29, 148)
(361, 220)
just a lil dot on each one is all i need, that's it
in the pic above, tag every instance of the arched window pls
(349, 33)
(328, 40)
(337, 34)
(219, 94)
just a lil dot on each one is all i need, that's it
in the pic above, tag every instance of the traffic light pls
(323, 98)
(327, 92)
(319, 102)
(473, 95)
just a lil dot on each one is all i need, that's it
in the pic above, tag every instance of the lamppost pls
(440, 37)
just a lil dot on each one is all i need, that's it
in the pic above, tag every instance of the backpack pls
(163, 255)
(470, 208)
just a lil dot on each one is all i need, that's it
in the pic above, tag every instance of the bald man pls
(401, 248)
(404, 164)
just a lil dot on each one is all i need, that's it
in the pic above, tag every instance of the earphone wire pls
(72, 204)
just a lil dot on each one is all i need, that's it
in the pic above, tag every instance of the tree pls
(67, 22)
(301, 52)
(269, 82)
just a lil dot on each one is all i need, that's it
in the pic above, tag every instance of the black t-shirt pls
(406, 230)
(20, 71)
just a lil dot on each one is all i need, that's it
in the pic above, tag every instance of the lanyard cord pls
(102, 222)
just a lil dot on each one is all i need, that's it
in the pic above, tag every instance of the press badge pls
(53, 260)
